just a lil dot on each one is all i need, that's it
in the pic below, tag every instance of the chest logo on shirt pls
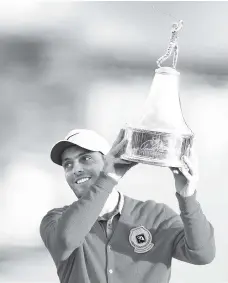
(141, 239)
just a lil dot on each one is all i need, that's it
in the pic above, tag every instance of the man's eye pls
(87, 157)
(67, 165)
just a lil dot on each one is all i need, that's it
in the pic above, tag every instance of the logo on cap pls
(141, 239)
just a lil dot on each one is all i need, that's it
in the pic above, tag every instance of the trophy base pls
(156, 147)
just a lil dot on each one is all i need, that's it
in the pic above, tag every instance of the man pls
(105, 236)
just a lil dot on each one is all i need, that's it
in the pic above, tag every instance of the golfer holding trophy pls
(105, 236)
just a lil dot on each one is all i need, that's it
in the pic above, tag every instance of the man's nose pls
(78, 169)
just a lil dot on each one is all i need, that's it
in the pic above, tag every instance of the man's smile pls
(82, 180)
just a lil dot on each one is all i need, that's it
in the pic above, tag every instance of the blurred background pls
(90, 65)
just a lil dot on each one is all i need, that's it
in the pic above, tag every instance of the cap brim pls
(87, 140)
(58, 149)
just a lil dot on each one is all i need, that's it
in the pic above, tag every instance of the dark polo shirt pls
(144, 238)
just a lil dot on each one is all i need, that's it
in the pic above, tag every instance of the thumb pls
(175, 170)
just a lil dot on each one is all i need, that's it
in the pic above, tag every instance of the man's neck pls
(110, 204)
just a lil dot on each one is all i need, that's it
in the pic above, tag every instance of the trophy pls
(161, 137)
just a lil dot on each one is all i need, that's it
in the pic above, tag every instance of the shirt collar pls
(118, 209)
(121, 202)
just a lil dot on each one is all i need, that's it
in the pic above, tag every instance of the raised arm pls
(64, 230)
(195, 242)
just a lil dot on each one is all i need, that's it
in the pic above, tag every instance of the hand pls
(113, 164)
(186, 177)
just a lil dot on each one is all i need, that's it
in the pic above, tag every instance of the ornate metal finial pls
(173, 45)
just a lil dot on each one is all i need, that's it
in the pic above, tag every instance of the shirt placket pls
(110, 259)
(109, 227)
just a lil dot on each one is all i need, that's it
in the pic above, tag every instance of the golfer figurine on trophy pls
(161, 137)
(173, 45)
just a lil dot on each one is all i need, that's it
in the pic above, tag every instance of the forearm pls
(76, 222)
(197, 239)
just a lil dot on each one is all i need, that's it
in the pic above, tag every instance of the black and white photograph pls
(114, 142)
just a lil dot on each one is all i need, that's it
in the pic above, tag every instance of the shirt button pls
(110, 271)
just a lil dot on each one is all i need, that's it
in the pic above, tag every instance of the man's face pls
(82, 168)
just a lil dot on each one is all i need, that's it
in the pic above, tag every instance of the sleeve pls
(194, 235)
(47, 231)
(63, 231)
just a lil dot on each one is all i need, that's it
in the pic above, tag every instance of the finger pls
(188, 165)
(125, 162)
(122, 161)
(129, 162)
(119, 148)
(119, 137)
(186, 173)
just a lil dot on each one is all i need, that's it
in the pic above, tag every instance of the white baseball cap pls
(84, 138)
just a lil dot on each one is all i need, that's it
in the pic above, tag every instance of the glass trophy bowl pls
(161, 137)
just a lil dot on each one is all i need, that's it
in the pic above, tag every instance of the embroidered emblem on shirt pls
(141, 239)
